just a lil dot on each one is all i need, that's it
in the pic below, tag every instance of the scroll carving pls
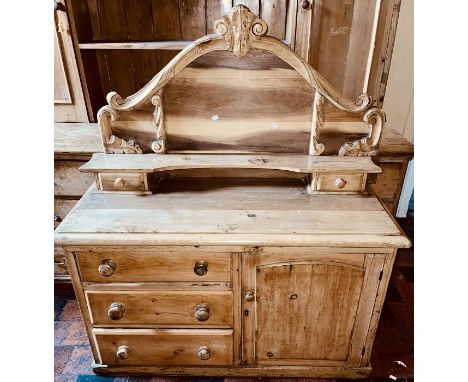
(112, 144)
(159, 145)
(367, 146)
(316, 148)
(240, 28)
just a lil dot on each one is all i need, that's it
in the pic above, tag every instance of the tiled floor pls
(394, 339)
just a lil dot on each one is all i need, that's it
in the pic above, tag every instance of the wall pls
(398, 103)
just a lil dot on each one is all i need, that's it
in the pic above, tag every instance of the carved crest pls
(240, 28)
(367, 146)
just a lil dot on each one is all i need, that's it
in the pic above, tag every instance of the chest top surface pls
(230, 211)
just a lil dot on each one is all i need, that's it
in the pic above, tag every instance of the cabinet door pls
(310, 310)
(69, 103)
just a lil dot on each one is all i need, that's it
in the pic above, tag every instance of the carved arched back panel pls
(271, 102)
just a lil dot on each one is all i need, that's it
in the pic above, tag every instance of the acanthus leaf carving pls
(116, 145)
(367, 146)
(240, 28)
(111, 143)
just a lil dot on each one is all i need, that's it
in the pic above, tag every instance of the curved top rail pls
(239, 32)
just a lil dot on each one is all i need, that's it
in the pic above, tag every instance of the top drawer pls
(147, 267)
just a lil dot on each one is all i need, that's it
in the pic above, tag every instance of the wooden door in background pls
(69, 103)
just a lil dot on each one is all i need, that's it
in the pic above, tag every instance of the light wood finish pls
(165, 346)
(163, 308)
(238, 40)
(81, 140)
(122, 182)
(69, 103)
(341, 183)
(229, 214)
(160, 45)
(292, 296)
(138, 267)
(294, 163)
(231, 267)
(69, 181)
(76, 140)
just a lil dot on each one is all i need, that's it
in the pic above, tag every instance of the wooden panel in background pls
(69, 102)
(215, 10)
(274, 12)
(192, 14)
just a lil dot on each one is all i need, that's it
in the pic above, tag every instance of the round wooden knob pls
(116, 311)
(107, 267)
(122, 352)
(200, 268)
(203, 353)
(340, 183)
(202, 312)
(119, 183)
(249, 295)
(305, 4)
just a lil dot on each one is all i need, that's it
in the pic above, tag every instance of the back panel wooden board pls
(257, 107)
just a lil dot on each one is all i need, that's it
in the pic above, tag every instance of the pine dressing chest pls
(228, 232)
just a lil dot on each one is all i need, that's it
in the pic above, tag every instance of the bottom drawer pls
(164, 346)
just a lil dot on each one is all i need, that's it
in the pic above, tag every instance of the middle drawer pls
(161, 307)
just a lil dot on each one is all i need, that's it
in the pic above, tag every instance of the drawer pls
(69, 181)
(123, 182)
(164, 346)
(388, 183)
(144, 266)
(340, 182)
(60, 264)
(61, 209)
(161, 307)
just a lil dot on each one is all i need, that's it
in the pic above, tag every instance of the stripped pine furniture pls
(229, 231)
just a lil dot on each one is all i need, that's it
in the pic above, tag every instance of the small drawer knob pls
(200, 268)
(116, 311)
(119, 183)
(122, 352)
(340, 183)
(203, 353)
(107, 267)
(202, 312)
(305, 4)
(249, 295)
